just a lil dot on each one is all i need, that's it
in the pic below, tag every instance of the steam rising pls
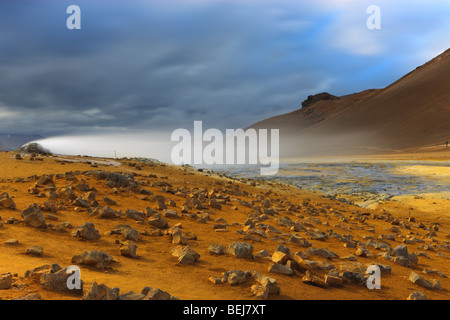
(155, 145)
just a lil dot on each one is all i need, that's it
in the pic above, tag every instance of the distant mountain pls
(410, 114)
(10, 142)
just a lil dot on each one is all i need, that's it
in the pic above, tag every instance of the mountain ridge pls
(410, 113)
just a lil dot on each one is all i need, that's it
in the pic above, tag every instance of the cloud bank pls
(160, 65)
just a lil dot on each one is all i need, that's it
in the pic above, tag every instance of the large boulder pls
(94, 258)
(122, 180)
(34, 147)
(86, 231)
(241, 250)
(127, 231)
(6, 201)
(5, 281)
(37, 273)
(33, 217)
(185, 255)
(128, 249)
(158, 222)
(57, 282)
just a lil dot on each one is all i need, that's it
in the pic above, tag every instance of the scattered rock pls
(11, 242)
(417, 295)
(5, 281)
(57, 282)
(158, 222)
(333, 281)
(416, 279)
(314, 280)
(33, 217)
(86, 231)
(281, 269)
(156, 294)
(270, 283)
(101, 292)
(7, 202)
(94, 258)
(35, 251)
(128, 249)
(235, 277)
(27, 297)
(216, 249)
(241, 250)
(185, 255)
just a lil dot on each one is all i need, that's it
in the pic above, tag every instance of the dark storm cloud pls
(162, 65)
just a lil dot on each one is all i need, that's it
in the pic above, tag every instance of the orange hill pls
(410, 114)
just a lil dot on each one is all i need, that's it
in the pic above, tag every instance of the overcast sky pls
(160, 65)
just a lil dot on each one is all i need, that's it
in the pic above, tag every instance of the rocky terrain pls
(143, 230)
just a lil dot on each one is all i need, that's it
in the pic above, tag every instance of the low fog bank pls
(154, 145)
(333, 144)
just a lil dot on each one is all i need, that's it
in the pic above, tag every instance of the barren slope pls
(411, 113)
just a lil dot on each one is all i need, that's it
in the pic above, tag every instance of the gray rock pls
(263, 254)
(314, 280)
(110, 201)
(37, 273)
(27, 297)
(427, 271)
(86, 231)
(284, 249)
(158, 222)
(185, 255)
(170, 213)
(416, 279)
(57, 282)
(131, 234)
(108, 213)
(281, 269)
(128, 249)
(7, 202)
(135, 214)
(259, 291)
(94, 258)
(156, 294)
(280, 257)
(270, 283)
(417, 295)
(122, 180)
(333, 281)
(241, 250)
(11, 242)
(5, 281)
(80, 202)
(33, 217)
(363, 252)
(131, 296)
(400, 251)
(216, 249)
(101, 292)
(235, 277)
(35, 250)
(321, 252)
(435, 284)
